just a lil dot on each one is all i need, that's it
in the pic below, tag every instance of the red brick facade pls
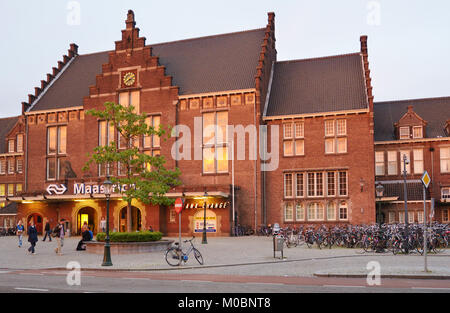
(338, 185)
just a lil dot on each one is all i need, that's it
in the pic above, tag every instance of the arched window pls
(288, 212)
(315, 212)
(343, 211)
(331, 211)
(299, 212)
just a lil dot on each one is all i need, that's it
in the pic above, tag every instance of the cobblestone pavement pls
(234, 256)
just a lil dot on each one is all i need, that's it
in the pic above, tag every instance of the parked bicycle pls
(175, 255)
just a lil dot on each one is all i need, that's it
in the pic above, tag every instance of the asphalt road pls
(47, 281)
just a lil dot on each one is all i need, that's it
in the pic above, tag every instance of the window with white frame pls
(337, 129)
(343, 190)
(331, 211)
(11, 166)
(315, 212)
(418, 161)
(56, 148)
(445, 159)
(331, 184)
(2, 166)
(420, 216)
(293, 139)
(417, 132)
(410, 217)
(343, 211)
(392, 163)
(391, 217)
(10, 190)
(288, 212)
(299, 212)
(19, 140)
(215, 142)
(379, 163)
(402, 161)
(401, 218)
(288, 185)
(315, 184)
(19, 166)
(11, 146)
(445, 218)
(130, 98)
(300, 185)
(404, 133)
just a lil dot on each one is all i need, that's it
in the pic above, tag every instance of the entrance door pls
(89, 216)
(37, 218)
(136, 219)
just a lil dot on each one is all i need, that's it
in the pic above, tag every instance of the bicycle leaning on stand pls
(175, 255)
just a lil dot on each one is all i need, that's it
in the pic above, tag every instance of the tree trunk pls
(129, 218)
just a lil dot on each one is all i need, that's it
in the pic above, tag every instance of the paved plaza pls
(231, 255)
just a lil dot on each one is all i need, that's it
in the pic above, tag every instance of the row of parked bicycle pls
(11, 231)
(397, 238)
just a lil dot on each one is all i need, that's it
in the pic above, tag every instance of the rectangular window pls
(392, 163)
(329, 128)
(445, 159)
(445, 218)
(3, 166)
(341, 127)
(331, 184)
(329, 146)
(288, 148)
(342, 183)
(152, 141)
(411, 217)
(52, 140)
(420, 216)
(130, 98)
(300, 185)
(19, 143)
(404, 133)
(418, 161)
(401, 218)
(287, 131)
(11, 166)
(18, 188)
(417, 132)
(2, 190)
(299, 212)
(379, 163)
(215, 142)
(288, 212)
(331, 211)
(391, 217)
(319, 184)
(62, 139)
(341, 145)
(51, 169)
(311, 185)
(343, 211)
(445, 193)
(10, 190)
(19, 165)
(288, 185)
(408, 161)
(299, 130)
(11, 146)
(299, 147)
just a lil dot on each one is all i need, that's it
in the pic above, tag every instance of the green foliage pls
(146, 177)
(145, 236)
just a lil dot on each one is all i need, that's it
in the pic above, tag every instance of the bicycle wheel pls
(173, 256)
(198, 256)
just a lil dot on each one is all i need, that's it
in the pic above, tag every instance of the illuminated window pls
(215, 142)
(445, 159)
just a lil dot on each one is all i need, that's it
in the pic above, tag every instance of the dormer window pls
(417, 132)
(404, 133)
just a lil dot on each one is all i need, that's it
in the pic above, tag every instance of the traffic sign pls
(178, 205)
(426, 180)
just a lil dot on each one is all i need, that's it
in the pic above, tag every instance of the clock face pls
(129, 79)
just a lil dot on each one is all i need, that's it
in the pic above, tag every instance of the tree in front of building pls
(137, 175)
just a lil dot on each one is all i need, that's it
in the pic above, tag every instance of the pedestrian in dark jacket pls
(48, 232)
(32, 237)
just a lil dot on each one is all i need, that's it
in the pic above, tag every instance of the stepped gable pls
(327, 84)
(36, 101)
(435, 111)
(6, 125)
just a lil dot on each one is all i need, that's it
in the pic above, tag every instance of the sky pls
(408, 40)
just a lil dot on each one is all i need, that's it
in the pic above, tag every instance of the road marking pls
(431, 288)
(343, 286)
(32, 274)
(31, 289)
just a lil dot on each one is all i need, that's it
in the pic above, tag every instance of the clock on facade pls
(129, 79)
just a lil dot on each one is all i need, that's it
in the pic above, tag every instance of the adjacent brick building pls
(321, 172)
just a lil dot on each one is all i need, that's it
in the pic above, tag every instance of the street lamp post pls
(405, 191)
(380, 190)
(204, 240)
(107, 253)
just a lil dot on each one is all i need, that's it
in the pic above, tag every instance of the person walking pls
(19, 231)
(48, 232)
(59, 231)
(32, 237)
(103, 225)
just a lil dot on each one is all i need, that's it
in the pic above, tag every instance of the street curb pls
(397, 276)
